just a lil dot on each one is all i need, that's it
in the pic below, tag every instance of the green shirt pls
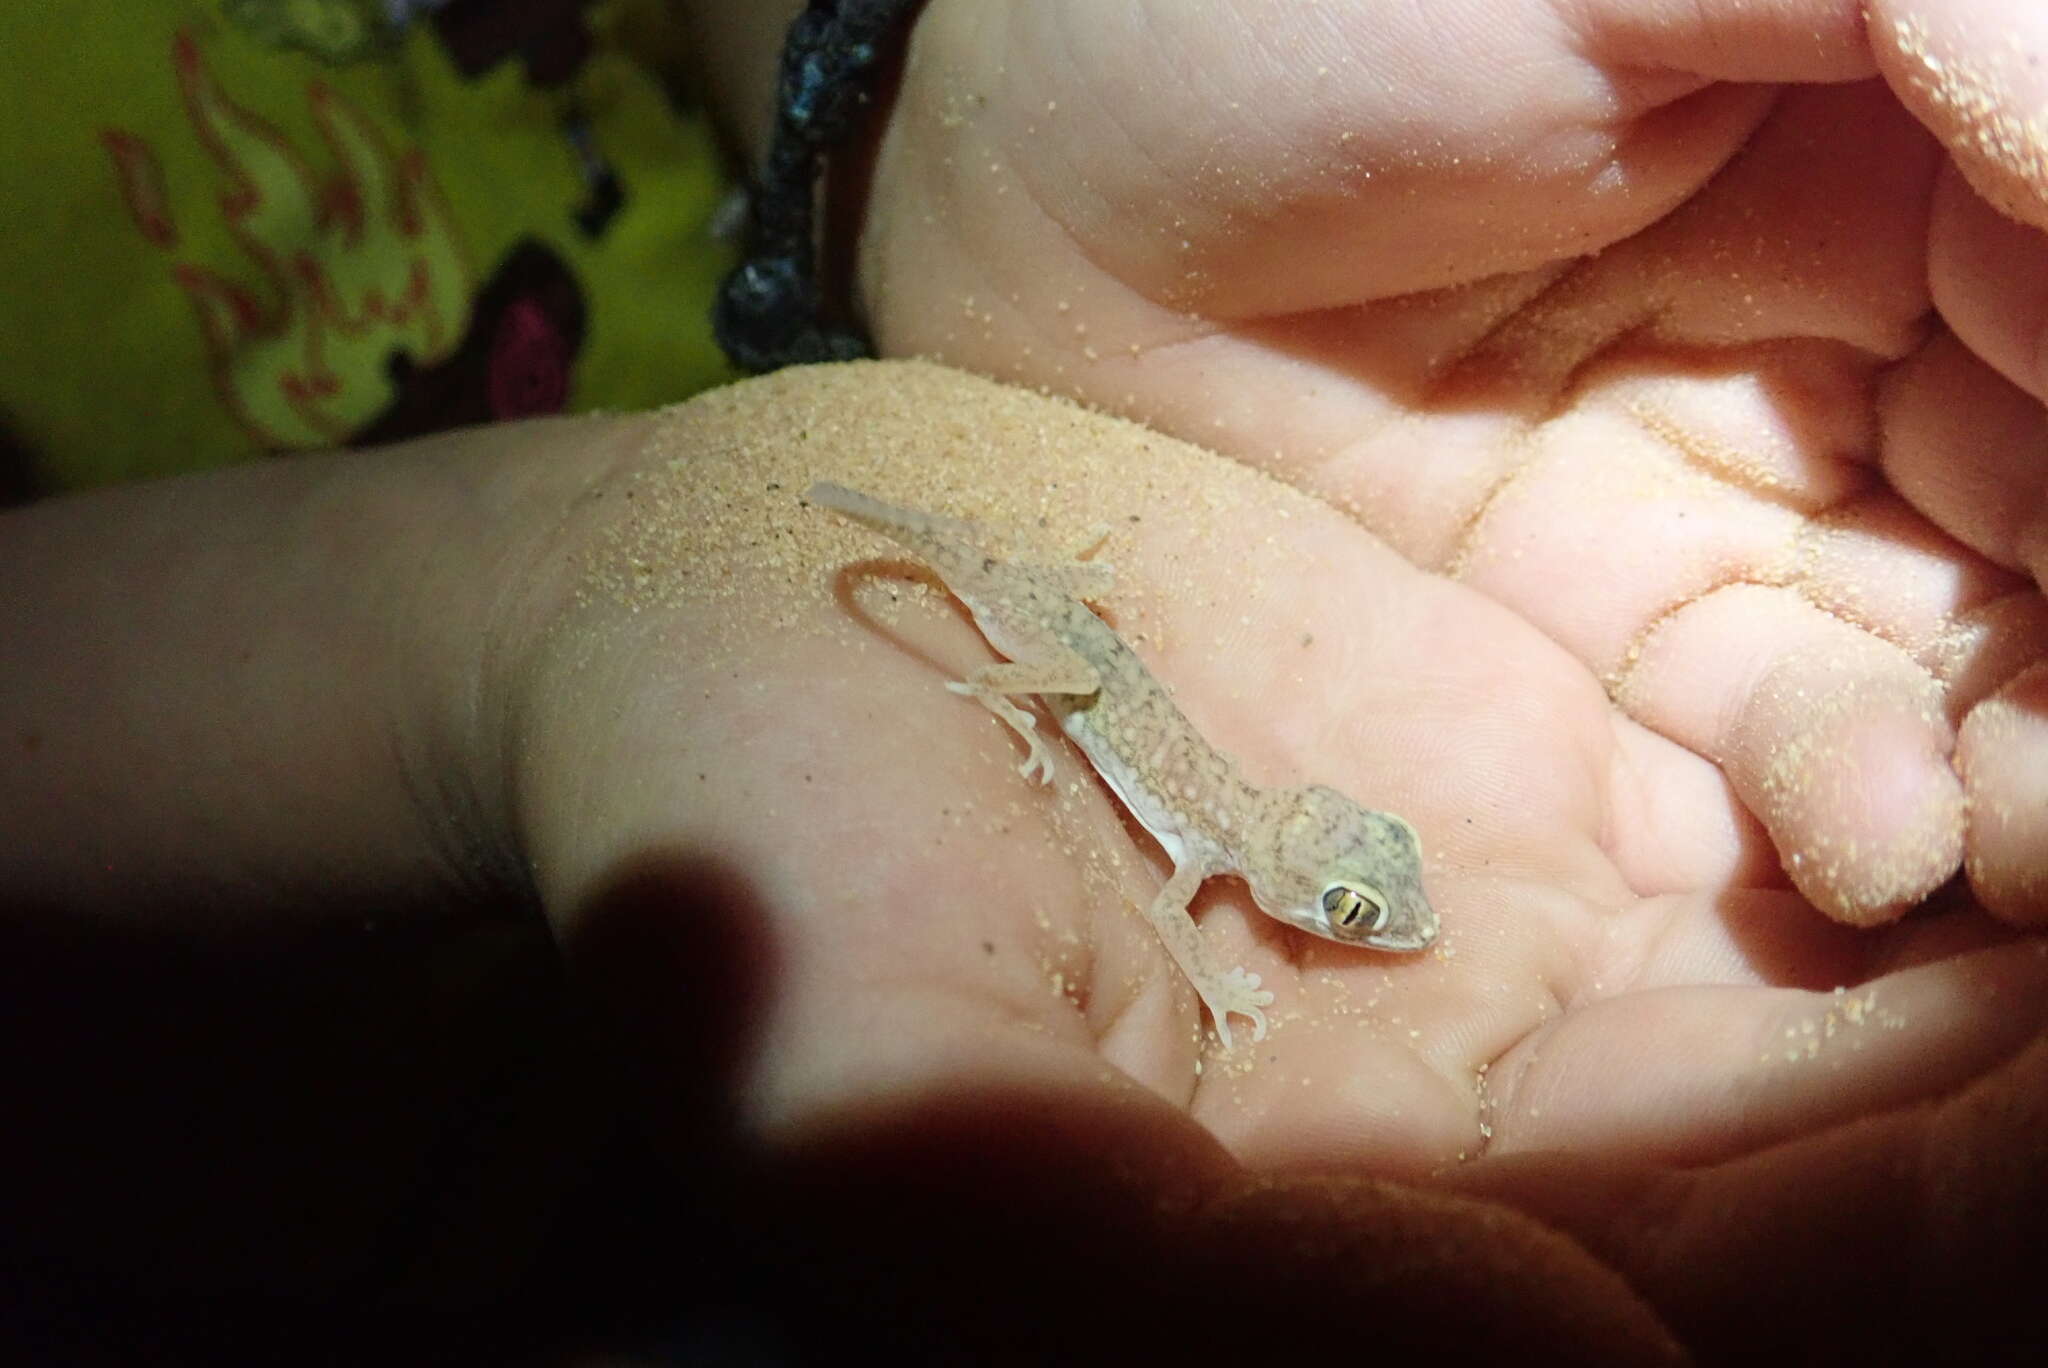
(247, 227)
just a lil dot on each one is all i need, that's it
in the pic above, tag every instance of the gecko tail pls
(853, 503)
(890, 519)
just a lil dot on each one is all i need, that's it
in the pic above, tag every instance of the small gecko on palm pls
(1312, 857)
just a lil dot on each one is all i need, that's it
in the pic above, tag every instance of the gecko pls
(1312, 857)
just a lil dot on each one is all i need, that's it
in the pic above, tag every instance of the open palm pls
(1574, 307)
(1565, 303)
(923, 953)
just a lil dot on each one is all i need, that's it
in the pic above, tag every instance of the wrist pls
(266, 689)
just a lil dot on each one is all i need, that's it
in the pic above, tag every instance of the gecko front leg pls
(991, 684)
(1221, 991)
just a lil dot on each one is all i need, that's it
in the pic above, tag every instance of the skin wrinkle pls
(1619, 679)
(1944, 397)
(1078, 229)
(1779, 790)
(1472, 527)
(1815, 526)
(1715, 461)
(1809, 543)
(1525, 346)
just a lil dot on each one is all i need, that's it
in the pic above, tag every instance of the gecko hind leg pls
(991, 684)
(1221, 991)
(1091, 541)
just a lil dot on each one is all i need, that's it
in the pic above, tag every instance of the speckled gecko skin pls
(1312, 857)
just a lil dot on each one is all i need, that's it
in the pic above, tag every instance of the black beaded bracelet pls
(771, 310)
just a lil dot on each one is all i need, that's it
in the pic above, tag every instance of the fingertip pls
(1973, 73)
(1849, 772)
(2002, 755)
(1837, 740)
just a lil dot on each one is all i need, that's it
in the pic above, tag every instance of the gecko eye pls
(1355, 909)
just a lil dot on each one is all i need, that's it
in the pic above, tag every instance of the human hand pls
(1617, 313)
(768, 834)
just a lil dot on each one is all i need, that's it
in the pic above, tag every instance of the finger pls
(2002, 755)
(1969, 452)
(1910, 1237)
(1969, 449)
(1677, 490)
(1972, 71)
(1989, 277)
(1835, 739)
(1060, 1222)
(1745, 937)
(1688, 1075)
(1275, 157)
(1818, 659)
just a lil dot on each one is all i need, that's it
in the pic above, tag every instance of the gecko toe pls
(1239, 992)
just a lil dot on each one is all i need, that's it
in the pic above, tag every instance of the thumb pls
(1267, 157)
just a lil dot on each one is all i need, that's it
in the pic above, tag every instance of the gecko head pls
(1346, 873)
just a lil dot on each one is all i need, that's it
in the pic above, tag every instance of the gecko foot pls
(1040, 758)
(1037, 755)
(1236, 991)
